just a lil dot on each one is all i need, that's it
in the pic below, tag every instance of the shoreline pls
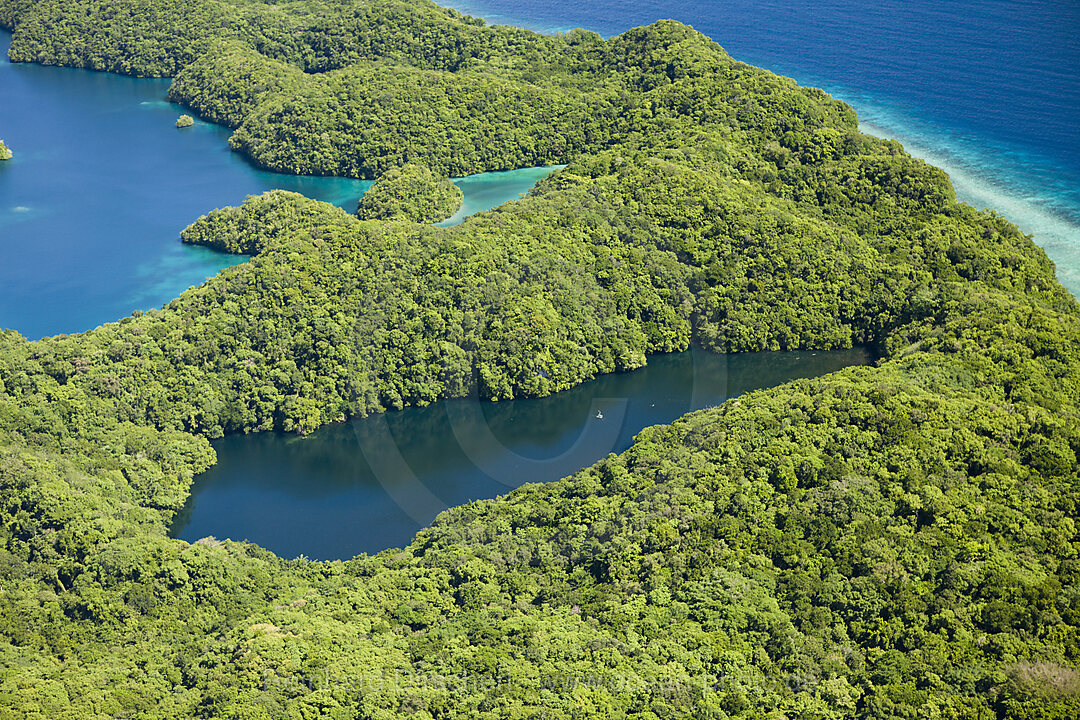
(1051, 218)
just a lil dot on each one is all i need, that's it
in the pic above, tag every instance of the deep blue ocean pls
(988, 90)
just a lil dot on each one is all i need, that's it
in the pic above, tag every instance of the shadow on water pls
(372, 483)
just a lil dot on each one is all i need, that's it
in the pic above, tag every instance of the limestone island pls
(185, 121)
(5, 151)
(410, 192)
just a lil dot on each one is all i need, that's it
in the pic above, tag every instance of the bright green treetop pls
(411, 192)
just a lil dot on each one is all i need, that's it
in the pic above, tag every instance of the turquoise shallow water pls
(102, 183)
(488, 190)
(988, 90)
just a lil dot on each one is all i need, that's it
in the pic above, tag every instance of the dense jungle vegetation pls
(5, 151)
(897, 541)
(412, 193)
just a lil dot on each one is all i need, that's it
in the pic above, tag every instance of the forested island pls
(5, 152)
(412, 193)
(894, 541)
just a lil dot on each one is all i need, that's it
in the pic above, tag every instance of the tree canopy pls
(895, 541)
(412, 193)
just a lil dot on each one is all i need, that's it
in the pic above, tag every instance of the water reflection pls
(372, 483)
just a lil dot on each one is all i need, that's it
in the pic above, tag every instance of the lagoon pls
(102, 183)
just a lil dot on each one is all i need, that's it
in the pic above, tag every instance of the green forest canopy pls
(412, 193)
(890, 542)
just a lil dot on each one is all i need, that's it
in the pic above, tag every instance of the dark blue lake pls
(370, 484)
